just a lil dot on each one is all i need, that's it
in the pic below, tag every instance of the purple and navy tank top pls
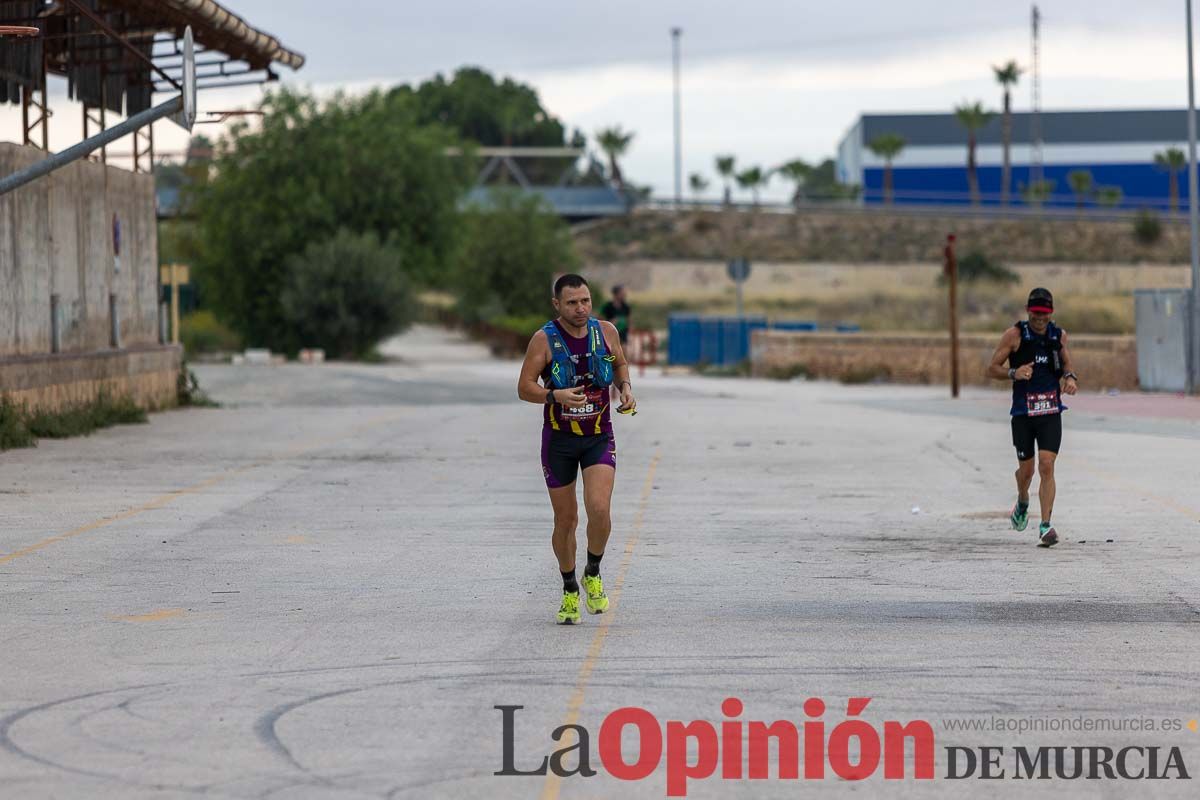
(594, 417)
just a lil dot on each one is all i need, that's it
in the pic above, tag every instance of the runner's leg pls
(1046, 487)
(597, 500)
(566, 519)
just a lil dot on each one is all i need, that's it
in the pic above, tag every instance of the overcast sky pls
(767, 81)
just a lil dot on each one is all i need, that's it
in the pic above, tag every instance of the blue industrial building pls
(1116, 147)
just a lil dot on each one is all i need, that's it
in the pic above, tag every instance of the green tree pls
(753, 179)
(1007, 76)
(1172, 161)
(796, 171)
(363, 164)
(1038, 192)
(346, 294)
(822, 183)
(726, 168)
(485, 110)
(614, 142)
(1109, 196)
(887, 146)
(973, 117)
(698, 184)
(512, 247)
(1081, 183)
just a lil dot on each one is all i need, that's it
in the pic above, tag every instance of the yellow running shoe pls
(597, 600)
(568, 612)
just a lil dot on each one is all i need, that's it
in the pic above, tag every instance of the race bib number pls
(1039, 404)
(593, 406)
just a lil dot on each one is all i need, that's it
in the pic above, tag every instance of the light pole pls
(675, 34)
(1193, 218)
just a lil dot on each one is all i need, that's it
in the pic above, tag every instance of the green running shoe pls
(568, 612)
(597, 600)
(1047, 536)
(1019, 518)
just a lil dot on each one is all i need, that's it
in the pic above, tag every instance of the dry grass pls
(905, 297)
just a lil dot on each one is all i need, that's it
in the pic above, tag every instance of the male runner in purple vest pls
(577, 432)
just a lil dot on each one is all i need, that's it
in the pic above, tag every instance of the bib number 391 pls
(1039, 404)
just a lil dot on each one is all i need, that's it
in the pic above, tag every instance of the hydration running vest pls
(562, 368)
(1045, 353)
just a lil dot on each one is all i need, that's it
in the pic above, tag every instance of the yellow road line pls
(153, 616)
(553, 782)
(208, 483)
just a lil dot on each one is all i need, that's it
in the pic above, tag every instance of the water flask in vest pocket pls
(602, 369)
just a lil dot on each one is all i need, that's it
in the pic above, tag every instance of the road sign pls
(738, 269)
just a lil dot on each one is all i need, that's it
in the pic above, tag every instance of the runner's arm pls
(537, 356)
(1070, 384)
(620, 366)
(1008, 345)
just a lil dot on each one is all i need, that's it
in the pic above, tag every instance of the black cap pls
(1040, 300)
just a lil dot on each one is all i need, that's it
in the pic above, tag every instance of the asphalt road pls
(325, 588)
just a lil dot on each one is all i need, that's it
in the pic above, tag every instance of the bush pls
(976, 267)
(1146, 227)
(13, 430)
(525, 325)
(104, 412)
(188, 391)
(741, 369)
(871, 374)
(512, 249)
(788, 372)
(347, 294)
(307, 170)
(201, 332)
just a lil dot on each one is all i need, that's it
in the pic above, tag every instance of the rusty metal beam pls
(100, 23)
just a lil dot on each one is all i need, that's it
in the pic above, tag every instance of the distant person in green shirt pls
(617, 311)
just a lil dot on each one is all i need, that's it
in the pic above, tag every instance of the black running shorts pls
(564, 454)
(1046, 431)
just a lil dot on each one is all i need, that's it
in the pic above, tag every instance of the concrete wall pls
(56, 237)
(1102, 362)
(147, 375)
(853, 236)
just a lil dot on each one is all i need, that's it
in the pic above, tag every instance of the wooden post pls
(174, 304)
(952, 276)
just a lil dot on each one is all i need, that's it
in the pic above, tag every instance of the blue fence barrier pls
(724, 341)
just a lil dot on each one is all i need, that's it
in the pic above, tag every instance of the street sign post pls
(738, 270)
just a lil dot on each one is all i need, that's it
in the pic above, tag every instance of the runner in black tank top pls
(1033, 355)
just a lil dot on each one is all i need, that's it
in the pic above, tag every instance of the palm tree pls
(1007, 76)
(1081, 183)
(796, 171)
(698, 183)
(753, 179)
(726, 168)
(1172, 161)
(1109, 196)
(973, 117)
(887, 146)
(1037, 192)
(614, 142)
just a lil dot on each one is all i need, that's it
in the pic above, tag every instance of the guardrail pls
(917, 210)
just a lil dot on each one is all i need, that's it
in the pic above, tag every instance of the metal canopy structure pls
(115, 54)
(575, 194)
